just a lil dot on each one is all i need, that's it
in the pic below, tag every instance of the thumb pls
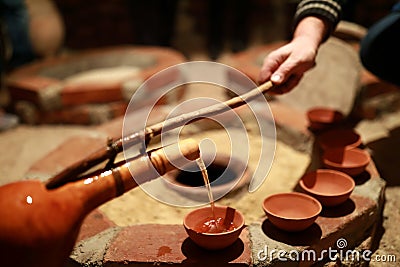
(277, 78)
(285, 70)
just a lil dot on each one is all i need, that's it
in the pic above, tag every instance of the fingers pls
(286, 68)
(287, 86)
(294, 65)
(286, 76)
(286, 65)
(271, 63)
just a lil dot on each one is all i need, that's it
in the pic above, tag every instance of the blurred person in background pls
(29, 29)
(380, 48)
(314, 21)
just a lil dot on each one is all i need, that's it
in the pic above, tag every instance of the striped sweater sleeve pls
(329, 10)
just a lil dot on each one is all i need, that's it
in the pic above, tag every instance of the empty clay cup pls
(323, 117)
(230, 223)
(351, 161)
(330, 187)
(339, 139)
(291, 211)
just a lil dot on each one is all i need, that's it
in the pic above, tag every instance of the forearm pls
(312, 28)
(328, 11)
(314, 21)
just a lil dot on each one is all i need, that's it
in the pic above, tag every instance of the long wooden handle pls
(207, 112)
(115, 147)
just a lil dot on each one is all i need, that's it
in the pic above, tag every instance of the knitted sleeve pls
(329, 10)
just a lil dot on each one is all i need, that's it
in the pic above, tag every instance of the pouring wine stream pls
(211, 224)
(204, 173)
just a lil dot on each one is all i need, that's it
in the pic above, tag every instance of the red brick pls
(78, 94)
(31, 82)
(169, 244)
(94, 223)
(72, 150)
(346, 218)
(86, 114)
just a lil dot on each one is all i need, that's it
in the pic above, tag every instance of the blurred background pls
(200, 30)
(192, 27)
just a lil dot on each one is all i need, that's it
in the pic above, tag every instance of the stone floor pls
(381, 138)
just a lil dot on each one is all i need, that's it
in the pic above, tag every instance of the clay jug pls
(39, 227)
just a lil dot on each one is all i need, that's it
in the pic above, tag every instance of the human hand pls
(286, 65)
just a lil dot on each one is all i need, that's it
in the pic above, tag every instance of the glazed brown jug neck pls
(39, 227)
